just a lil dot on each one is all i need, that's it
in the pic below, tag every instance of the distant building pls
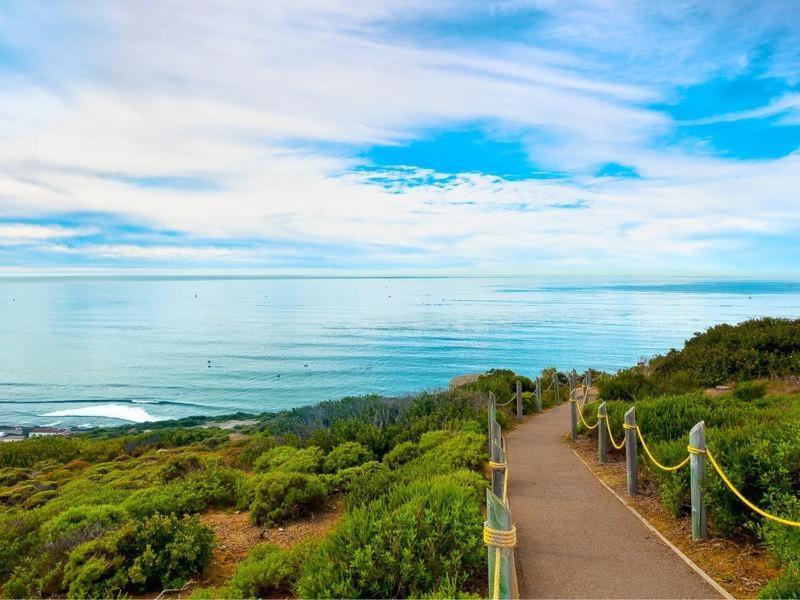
(48, 431)
(11, 434)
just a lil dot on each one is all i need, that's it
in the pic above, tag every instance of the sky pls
(400, 136)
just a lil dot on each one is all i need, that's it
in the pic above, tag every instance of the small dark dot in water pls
(278, 375)
(305, 365)
(195, 295)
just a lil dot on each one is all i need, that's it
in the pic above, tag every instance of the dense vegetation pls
(117, 511)
(753, 428)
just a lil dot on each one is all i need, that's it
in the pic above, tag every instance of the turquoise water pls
(100, 351)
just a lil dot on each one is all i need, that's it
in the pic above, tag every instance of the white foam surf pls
(111, 411)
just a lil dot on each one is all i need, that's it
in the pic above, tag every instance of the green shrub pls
(180, 466)
(627, 385)
(290, 459)
(78, 525)
(785, 586)
(279, 495)
(385, 549)
(455, 449)
(749, 390)
(363, 483)
(267, 570)
(348, 454)
(401, 454)
(155, 553)
(257, 445)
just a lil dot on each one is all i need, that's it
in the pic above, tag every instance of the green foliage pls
(401, 546)
(362, 484)
(627, 385)
(750, 390)
(455, 449)
(502, 383)
(785, 586)
(401, 454)
(348, 454)
(104, 514)
(157, 552)
(290, 459)
(78, 525)
(751, 350)
(280, 495)
(180, 466)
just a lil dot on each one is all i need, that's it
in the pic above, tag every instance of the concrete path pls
(575, 539)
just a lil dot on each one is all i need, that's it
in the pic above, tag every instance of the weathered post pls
(538, 394)
(588, 378)
(498, 519)
(519, 401)
(573, 414)
(491, 413)
(498, 465)
(556, 392)
(697, 463)
(631, 452)
(602, 434)
(572, 380)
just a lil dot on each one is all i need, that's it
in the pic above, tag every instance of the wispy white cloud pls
(272, 102)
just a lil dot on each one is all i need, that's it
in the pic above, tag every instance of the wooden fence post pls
(556, 392)
(697, 463)
(498, 473)
(498, 517)
(631, 452)
(538, 394)
(588, 378)
(573, 414)
(519, 400)
(602, 433)
(491, 413)
(572, 379)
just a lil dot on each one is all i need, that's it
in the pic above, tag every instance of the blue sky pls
(400, 137)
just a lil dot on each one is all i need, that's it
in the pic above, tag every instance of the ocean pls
(98, 351)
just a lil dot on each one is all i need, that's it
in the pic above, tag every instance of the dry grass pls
(741, 567)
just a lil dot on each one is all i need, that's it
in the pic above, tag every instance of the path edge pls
(705, 576)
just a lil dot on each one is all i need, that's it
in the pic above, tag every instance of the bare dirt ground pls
(236, 535)
(740, 567)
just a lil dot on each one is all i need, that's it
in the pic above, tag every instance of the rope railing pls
(697, 452)
(499, 533)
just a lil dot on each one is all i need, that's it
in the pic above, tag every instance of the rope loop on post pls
(499, 537)
(497, 466)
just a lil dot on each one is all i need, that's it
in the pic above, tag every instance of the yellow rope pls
(739, 495)
(496, 466)
(611, 437)
(653, 458)
(580, 414)
(499, 539)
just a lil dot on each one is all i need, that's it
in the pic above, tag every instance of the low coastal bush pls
(155, 553)
(402, 546)
(348, 454)
(401, 454)
(281, 495)
(110, 513)
(290, 459)
(750, 390)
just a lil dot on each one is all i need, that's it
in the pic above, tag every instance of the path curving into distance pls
(575, 539)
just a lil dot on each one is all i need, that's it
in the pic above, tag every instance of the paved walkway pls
(575, 539)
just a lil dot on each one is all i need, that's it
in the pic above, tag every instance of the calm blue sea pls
(100, 351)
